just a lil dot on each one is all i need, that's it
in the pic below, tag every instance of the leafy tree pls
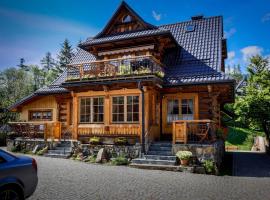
(38, 77)
(254, 108)
(65, 55)
(235, 72)
(15, 84)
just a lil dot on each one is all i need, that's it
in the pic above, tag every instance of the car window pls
(7, 156)
(2, 160)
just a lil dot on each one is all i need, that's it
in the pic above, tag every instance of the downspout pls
(143, 118)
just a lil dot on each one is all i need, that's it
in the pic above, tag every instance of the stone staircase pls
(62, 150)
(159, 156)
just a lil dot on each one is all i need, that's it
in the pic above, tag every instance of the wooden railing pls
(111, 130)
(193, 131)
(134, 66)
(34, 130)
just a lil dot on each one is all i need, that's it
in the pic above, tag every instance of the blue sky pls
(30, 28)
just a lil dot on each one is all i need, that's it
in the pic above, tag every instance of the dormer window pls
(190, 28)
(126, 19)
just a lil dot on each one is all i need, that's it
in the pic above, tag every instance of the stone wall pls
(26, 144)
(203, 152)
(131, 151)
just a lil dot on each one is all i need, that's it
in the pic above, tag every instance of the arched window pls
(126, 19)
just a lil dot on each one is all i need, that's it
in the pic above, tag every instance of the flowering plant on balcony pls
(160, 74)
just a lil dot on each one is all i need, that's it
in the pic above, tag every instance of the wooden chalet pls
(137, 80)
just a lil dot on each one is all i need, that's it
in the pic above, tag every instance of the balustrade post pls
(185, 133)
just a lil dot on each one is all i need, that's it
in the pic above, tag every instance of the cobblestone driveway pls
(67, 179)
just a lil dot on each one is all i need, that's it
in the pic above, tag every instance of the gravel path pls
(67, 179)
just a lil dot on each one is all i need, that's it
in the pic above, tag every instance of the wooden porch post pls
(75, 116)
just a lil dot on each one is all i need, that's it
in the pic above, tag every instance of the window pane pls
(85, 110)
(187, 109)
(135, 117)
(172, 110)
(121, 117)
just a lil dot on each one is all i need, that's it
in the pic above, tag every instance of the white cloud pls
(156, 15)
(230, 33)
(249, 51)
(231, 55)
(45, 22)
(266, 17)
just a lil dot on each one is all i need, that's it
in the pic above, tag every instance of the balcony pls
(140, 66)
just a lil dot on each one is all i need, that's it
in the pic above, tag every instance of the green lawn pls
(241, 137)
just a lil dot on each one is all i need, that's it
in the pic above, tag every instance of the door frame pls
(167, 127)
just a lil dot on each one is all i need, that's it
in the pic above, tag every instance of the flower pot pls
(184, 162)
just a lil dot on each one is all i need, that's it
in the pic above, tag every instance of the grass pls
(241, 137)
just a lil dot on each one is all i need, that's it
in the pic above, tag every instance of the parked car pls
(18, 176)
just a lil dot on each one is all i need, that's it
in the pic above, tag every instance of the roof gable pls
(125, 19)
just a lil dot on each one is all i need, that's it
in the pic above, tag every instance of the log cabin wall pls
(45, 103)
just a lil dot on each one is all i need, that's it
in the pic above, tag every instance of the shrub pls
(95, 140)
(14, 149)
(184, 155)
(91, 159)
(42, 151)
(209, 166)
(120, 160)
(120, 141)
(219, 133)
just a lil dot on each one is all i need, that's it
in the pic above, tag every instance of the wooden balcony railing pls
(193, 131)
(111, 130)
(113, 68)
(36, 130)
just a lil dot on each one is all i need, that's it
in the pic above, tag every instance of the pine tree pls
(22, 65)
(48, 62)
(65, 55)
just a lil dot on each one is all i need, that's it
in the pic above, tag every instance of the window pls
(2, 160)
(118, 110)
(187, 109)
(126, 19)
(132, 108)
(175, 113)
(125, 109)
(190, 28)
(40, 115)
(91, 110)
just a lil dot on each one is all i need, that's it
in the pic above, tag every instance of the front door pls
(178, 107)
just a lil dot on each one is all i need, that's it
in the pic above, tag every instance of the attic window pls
(190, 28)
(126, 19)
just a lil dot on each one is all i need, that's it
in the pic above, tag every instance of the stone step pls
(160, 148)
(161, 153)
(153, 161)
(156, 167)
(63, 148)
(160, 157)
(161, 144)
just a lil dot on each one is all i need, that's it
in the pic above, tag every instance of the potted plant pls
(184, 157)
(209, 166)
(120, 141)
(95, 140)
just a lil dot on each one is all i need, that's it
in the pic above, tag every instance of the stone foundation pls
(27, 144)
(130, 151)
(203, 152)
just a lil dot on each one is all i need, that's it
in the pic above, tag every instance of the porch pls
(183, 131)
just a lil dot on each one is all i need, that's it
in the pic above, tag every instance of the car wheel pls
(10, 193)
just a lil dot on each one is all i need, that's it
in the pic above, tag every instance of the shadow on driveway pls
(251, 164)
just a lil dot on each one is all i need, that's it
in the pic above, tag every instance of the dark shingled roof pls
(197, 60)
(131, 35)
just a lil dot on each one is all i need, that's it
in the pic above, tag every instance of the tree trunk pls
(266, 130)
